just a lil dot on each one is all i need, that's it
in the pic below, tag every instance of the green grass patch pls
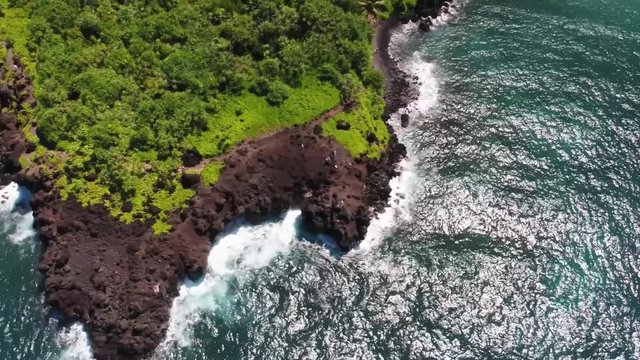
(210, 174)
(169, 201)
(249, 115)
(87, 192)
(364, 119)
(14, 27)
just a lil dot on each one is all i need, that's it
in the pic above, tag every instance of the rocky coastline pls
(120, 279)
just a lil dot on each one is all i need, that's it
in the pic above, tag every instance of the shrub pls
(278, 92)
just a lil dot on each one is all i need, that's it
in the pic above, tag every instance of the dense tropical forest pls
(125, 88)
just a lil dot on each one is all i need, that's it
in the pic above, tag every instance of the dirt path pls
(313, 123)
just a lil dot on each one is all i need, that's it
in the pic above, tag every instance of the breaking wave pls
(15, 216)
(239, 250)
(74, 343)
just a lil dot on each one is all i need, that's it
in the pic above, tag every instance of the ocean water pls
(513, 231)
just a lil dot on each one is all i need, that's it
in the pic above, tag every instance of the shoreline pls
(399, 87)
(120, 280)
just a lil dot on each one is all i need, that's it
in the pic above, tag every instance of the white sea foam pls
(398, 211)
(236, 252)
(18, 225)
(428, 91)
(9, 196)
(452, 13)
(74, 342)
(403, 186)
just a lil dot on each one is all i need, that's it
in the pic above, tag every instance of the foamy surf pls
(403, 186)
(17, 223)
(74, 343)
(398, 211)
(9, 196)
(238, 251)
(448, 14)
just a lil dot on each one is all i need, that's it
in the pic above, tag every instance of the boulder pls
(404, 120)
(190, 180)
(343, 125)
(127, 207)
(191, 159)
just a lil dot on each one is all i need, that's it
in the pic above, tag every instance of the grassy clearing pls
(14, 28)
(364, 119)
(249, 115)
(211, 172)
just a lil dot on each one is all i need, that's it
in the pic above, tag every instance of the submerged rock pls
(404, 120)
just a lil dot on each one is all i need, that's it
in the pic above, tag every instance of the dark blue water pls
(513, 233)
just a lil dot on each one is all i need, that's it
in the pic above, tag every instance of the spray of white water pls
(74, 343)
(403, 186)
(9, 196)
(236, 252)
(449, 13)
(17, 224)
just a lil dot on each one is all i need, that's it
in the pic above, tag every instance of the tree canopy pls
(125, 88)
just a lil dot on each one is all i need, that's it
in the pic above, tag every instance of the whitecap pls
(9, 196)
(15, 218)
(74, 343)
(239, 250)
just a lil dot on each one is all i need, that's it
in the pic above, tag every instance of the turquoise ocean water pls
(513, 233)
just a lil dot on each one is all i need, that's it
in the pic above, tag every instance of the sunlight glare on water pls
(513, 231)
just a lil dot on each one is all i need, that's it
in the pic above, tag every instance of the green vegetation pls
(211, 172)
(248, 115)
(363, 121)
(14, 22)
(125, 88)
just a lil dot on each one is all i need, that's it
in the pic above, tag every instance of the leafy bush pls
(211, 172)
(277, 93)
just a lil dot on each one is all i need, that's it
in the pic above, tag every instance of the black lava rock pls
(191, 159)
(190, 180)
(404, 120)
(343, 125)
